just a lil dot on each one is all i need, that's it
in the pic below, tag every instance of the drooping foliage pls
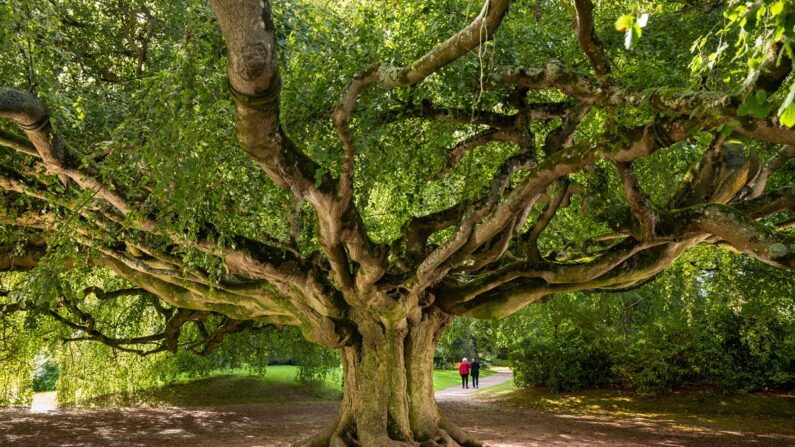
(83, 369)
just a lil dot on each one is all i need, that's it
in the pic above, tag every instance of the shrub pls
(566, 362)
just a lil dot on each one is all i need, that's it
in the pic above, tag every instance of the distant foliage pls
(695, 325)
(44, 376)
(466, 338)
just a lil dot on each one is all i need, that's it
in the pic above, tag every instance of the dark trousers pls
(475, 375)
(464, 380)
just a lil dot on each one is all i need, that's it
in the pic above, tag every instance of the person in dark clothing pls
(474, 369)
(463, 369)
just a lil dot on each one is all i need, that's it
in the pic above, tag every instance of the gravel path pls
(458, 394)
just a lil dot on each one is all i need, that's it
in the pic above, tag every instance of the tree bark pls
(388, 397)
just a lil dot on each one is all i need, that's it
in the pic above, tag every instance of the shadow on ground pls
(281, 424)
(241, 411)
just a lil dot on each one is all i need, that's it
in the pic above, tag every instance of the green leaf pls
(756, 106)
(625, 22)
(787, 118)
(726, 129)
(786, 112)
(777, 8)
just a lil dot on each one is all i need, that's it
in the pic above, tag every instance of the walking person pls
(474, 369)
(463, 369)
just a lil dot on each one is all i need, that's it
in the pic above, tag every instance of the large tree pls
(412, 162)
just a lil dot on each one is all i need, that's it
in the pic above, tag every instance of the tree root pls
(449, 435)
(462, 437)
(322, 439)
(442, 440)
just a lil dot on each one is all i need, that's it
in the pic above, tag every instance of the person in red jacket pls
(463, 369)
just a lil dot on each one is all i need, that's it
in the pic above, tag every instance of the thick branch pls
(341, 116)
(722, 172)
(589, 42)
(25, 257)
(706, 108)
(771, 202)
(473, 35)
(34, 119)
(741, 231)
(638, 201)
(453, 298)
(18, 144)
(760, 182)
(254, 81)
(457, 152)
(555, 201)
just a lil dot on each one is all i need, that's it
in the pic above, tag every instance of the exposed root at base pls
(449, 435)
(461, 436)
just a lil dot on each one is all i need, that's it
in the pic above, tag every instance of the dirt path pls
(44, 402)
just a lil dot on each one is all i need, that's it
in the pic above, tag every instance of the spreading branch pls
(638, 201)
(589, 42)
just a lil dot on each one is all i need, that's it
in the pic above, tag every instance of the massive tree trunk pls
(388, 389)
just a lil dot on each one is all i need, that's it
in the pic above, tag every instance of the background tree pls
(708, 321)
(465, 337)
(476, 160)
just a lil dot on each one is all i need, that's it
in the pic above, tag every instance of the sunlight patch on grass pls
(497, 391)
(690, 410)
(230, 387)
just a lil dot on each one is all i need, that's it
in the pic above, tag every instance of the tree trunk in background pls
(388, 397)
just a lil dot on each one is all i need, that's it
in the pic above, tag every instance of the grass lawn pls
(226, 387)
(445, 378)
(759, 412)
(223, 387)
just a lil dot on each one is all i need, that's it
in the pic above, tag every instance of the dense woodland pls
(184, 183)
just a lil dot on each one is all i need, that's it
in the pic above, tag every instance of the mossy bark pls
(388, 397)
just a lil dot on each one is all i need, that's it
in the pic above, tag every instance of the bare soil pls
(249, 412)
(281, 424)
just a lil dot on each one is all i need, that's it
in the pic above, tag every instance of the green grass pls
(446, 378)
(228, 387)
(761, 412)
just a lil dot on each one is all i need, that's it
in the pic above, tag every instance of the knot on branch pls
(252, 61)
